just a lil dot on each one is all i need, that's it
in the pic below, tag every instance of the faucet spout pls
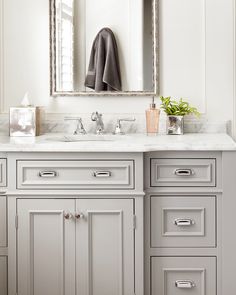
(96, 117)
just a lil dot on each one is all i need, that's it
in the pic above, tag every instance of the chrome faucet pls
(96, 117)
(118, 128)
(79, 127)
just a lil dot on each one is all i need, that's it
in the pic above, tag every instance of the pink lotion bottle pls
(152, 119)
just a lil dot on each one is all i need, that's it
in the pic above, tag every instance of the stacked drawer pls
(3, 228)
(182, 221)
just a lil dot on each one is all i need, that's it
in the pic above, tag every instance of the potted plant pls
(176, 110)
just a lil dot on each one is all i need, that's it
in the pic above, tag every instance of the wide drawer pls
(183, 221)
(183, 172)
(3, 221)
(76, 174)
(3, 172)
(183, 276)
(3, 275)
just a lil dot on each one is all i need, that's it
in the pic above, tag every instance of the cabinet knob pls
(79, 215)
(67, 215)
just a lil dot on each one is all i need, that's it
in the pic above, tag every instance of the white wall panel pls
(196, 58)
(182, 49)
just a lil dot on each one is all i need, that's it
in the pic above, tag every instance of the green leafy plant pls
(177, 108)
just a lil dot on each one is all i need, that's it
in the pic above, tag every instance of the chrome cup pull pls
(102, 174)
(68, 215)
(184, 172)
(184, 284)
(79, 215)
(184, 222)
(48, 174)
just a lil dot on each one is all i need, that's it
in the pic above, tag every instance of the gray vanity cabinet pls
(75, 246)
(82, 223)
(183, 213)
(75, 224)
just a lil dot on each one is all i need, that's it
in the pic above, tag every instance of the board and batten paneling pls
(196, 58)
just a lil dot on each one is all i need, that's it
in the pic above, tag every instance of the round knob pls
(68, 215)
(79, 215)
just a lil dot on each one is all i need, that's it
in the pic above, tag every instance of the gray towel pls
(104, 68)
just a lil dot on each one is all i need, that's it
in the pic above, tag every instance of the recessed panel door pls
(105, 247)
(46, 247)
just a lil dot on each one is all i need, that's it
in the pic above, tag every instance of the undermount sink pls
(82, 138)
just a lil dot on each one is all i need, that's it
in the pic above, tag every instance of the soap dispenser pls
(152, 119)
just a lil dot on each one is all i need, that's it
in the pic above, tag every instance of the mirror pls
(103, 47)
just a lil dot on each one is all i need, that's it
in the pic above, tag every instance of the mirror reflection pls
(101, 46)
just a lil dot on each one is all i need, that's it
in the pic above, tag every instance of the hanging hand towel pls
(104, 68)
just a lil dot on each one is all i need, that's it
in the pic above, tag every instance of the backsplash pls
(54, 123)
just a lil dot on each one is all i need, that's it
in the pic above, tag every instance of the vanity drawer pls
(3, 221)
(3, 275)
(77, 174)
(183, 172)
(183, 221)
(3, 172)
(183, 275)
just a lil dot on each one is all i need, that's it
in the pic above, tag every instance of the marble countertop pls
(121, 143)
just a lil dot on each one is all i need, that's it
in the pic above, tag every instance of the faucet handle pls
(80, 127)
(96, 117)
(118, 129)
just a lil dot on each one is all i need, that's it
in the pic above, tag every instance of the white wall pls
(196, 58)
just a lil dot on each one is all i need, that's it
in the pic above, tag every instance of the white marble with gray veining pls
(54, 123)
(125, 143)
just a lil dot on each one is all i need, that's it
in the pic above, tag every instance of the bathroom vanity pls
(135, 216)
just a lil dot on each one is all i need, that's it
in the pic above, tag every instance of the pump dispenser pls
(152, 119)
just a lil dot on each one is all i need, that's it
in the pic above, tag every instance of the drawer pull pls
(102, 174)
(184, 222)
(184, 172)
(184, 284)
(48, 174)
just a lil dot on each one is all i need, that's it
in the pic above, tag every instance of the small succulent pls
(177, 108)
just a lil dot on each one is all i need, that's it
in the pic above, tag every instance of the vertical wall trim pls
(205, 56)
(2, 90)
(234, 72)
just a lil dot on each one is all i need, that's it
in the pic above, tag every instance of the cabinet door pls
(46, 247)
(105, 247)
(3, 275)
